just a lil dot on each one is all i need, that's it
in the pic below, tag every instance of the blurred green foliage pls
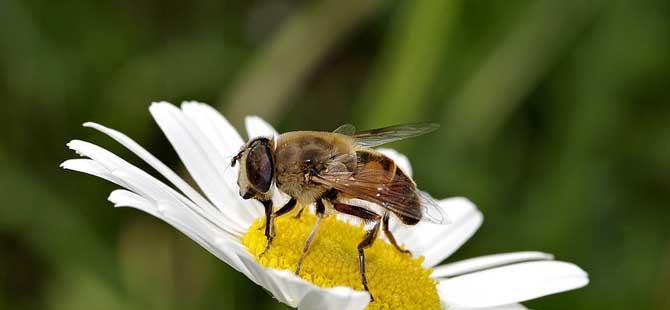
(555, 120)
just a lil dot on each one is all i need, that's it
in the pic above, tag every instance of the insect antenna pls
(231, 161)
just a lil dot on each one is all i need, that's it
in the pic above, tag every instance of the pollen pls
(396, 280)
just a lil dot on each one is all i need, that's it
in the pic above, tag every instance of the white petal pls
(487, 262)
(152, 196)
(225, 139)
(334, 299)
(284, 290)
(113, 168)
(90, 167)
(214, 125)
(257, 127)
(503, 307)
(163, 199)
(142, 153)
(399, 158)
(296, 292)
(293, 288)
(124, 198)
(202, 162)
(510, 284)
(221, 245)
(437, 242)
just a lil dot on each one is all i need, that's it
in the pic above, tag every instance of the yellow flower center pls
(396, 280)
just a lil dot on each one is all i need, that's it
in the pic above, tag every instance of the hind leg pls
(389, 235)
(372, 222)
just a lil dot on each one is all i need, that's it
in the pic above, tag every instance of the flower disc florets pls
(397, 280)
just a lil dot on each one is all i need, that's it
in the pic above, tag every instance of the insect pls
(335, 170)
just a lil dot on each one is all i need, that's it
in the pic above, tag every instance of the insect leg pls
(286, 208)
(370, 236)
(297, 216)
(389, 235)
(372, 221)
(269, 224)
(320, 210)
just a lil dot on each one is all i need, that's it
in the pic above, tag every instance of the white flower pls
(204, 141)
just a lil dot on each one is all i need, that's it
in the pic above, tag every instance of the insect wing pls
(431, 210)
(379, 136)
(342, 164)
(346, 129)
(378, 186)
(373, 187)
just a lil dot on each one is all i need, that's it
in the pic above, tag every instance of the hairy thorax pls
(301, 153)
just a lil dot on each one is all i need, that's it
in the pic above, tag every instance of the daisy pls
(230, 228)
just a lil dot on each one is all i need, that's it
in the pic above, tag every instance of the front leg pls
(270, 216)
(269, 224)
(286, 208)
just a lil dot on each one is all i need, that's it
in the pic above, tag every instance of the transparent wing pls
(379, 136)
(432, 211)
(346, 129)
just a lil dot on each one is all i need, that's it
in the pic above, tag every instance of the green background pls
(555, 120)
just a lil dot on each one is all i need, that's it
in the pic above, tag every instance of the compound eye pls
(259, 167)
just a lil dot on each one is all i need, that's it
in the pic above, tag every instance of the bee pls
(335, 170)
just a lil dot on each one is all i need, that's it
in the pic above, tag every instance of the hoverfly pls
(332, 169)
